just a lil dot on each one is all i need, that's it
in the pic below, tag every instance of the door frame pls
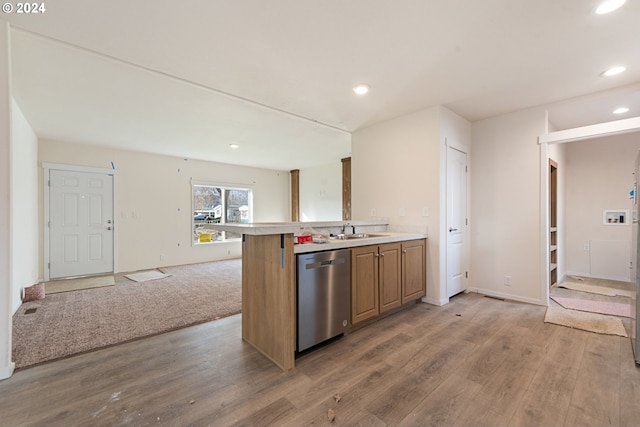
(599, 130)
(47, 167)
(444, 220)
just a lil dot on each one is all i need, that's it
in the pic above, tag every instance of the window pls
(214, 204)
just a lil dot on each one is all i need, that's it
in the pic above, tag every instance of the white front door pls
(456, 221)
(80, 223)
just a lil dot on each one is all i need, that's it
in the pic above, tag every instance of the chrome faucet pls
(353, 228)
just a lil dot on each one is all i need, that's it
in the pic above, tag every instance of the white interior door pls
(456, 221)
(80, 223)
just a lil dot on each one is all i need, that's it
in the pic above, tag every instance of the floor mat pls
(593, 289)
(67, 285)
(145, 276)
(590, 322)
(602, 307)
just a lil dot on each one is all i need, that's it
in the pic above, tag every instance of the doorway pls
(79, 222)
(553, 223)
(457, 222)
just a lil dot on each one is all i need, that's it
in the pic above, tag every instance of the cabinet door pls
(364, 283)
(390, 276)
(414, 270)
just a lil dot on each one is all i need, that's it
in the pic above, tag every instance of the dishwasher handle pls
(325, 263)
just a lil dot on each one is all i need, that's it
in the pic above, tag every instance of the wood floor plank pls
(548, 396)
(348, 373)
(444, 405)
(629, 387)
(502, 391)
(422, 375)
(596, 395)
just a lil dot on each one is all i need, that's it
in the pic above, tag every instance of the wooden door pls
(414, 270)
(390, 281)
(364, 283)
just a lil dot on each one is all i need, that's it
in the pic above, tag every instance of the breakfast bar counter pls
(269, 275)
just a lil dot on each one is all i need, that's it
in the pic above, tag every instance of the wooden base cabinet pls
(386, 276)
(364, 283)
(414, 270)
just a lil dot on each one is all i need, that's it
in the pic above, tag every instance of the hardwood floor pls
(475, 362)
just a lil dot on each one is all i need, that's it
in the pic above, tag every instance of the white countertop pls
(296, 228)
(381, 237)
(299, 228)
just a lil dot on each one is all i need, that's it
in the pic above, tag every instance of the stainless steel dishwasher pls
(324, 292)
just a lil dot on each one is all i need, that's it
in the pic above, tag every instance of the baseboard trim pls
(439, 303)
(7, 371)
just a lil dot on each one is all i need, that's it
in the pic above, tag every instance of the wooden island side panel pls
(269, 295)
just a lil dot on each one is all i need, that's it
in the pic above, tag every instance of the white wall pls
(599, 177)
(396, 165)
(24, 204)
(321, 193)
(505, 205)
(153, 200)
(6, 297)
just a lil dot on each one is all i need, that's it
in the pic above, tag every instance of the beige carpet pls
(68, 323)
(67, 285)
(590, 322)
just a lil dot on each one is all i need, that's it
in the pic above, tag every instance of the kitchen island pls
(269, 275)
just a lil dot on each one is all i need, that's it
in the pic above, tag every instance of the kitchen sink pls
(357, 236)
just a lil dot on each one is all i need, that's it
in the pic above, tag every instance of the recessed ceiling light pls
(233, 146)
(620, 110)
(361, 89)
(609, 6)
(614, 70)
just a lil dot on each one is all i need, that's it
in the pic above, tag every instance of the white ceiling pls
(189, 77)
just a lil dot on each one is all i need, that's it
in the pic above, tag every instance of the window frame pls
(224, 187)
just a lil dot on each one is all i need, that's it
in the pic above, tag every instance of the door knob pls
(452, 229)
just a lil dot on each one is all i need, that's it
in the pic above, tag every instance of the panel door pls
(80, 223)
(456, 221)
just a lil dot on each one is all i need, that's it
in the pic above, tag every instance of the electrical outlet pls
(507, 280)
(162, 257)
(373, 212)
(585, 247)
(425, 211)
(401, 212)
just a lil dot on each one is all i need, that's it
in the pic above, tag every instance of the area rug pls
(67, 285)
(602, 307)
(593, 289)
(146, 276)
(590, 322)
(70, 323)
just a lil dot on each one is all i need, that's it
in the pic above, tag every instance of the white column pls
(6, 365)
